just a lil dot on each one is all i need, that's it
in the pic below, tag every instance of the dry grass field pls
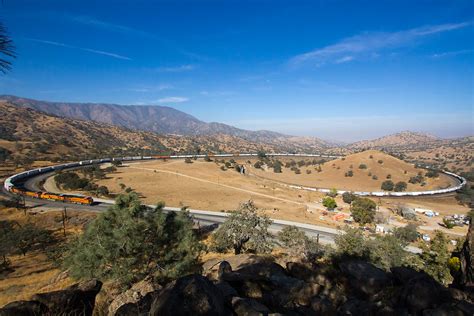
(204, 185)
(34, 272)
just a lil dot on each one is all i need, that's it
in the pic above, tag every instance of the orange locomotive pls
(86, 200)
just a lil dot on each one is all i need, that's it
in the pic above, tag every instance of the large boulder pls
(248, 307)
(365, 278)
(23, 308)
(190, 295)
(134, 296)
(210, 268)
(78, 299)
(420, 291)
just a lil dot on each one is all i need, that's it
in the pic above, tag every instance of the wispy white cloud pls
(344, 59)
(172, 100)
(366, 44)
(109, 26)
(453, 53)
(159, 87)
(90, 50)
(180, 68)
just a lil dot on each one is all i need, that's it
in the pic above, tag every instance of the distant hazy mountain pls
(162, 120)
(402, 139)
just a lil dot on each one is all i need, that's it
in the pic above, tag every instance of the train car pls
(86, 200)
(52, 196)
(32, 194)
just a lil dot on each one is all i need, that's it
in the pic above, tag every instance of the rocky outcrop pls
(136, 300)
(465, 278)
(190, 295)
(78, 299)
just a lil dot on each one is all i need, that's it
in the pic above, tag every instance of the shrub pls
(407, 233)
(244, 230)
(362, 166)
(432, 174)
(363, 210)
(277, 167)
(387, 185)
(400, 186)
(332, 192)
(329, 203)
(380, 161)
(129, 242)
(374, 177)
(308, 171)
(188, 160)
(349, 173)
(389, 176)
(348, 197)
(258, 165)
(416, 179)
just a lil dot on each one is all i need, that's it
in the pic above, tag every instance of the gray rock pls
(78, 299)
(190, 295)
(323, 306)
(248, 307)
(133, 296)
(23, 308)
(364, 277)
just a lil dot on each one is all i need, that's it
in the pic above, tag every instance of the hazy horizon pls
(299, 68)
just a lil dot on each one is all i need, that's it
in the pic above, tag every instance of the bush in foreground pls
(129, 242)
(244, 230)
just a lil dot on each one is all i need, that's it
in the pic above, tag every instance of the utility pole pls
(64, 219)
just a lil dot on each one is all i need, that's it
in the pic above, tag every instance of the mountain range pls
(167, 121)
(161, 120)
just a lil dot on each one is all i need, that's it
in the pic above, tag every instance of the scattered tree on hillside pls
(244, 230)
(329, 203)
(432, 174)
(297, 243)
(102, 190)
(352, 243)
(71, 181)
(332, 193)
(363, 210)
(116, 163)
(130, 241)
(407, 233)
(348, 197)
(416, 179)
(261, 154)
(400, 186)
(4, 154)
(277, 167)
(435, 258)
(387, 185)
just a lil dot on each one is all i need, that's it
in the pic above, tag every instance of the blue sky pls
(339, 70)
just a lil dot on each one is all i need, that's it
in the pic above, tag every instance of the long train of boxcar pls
(10, 183)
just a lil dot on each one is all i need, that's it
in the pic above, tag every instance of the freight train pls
(11, 183)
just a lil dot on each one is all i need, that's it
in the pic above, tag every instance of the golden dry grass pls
(35, 273)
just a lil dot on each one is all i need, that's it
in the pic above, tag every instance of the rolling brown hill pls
(164, 120)
(30, 134)
(404, 139)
